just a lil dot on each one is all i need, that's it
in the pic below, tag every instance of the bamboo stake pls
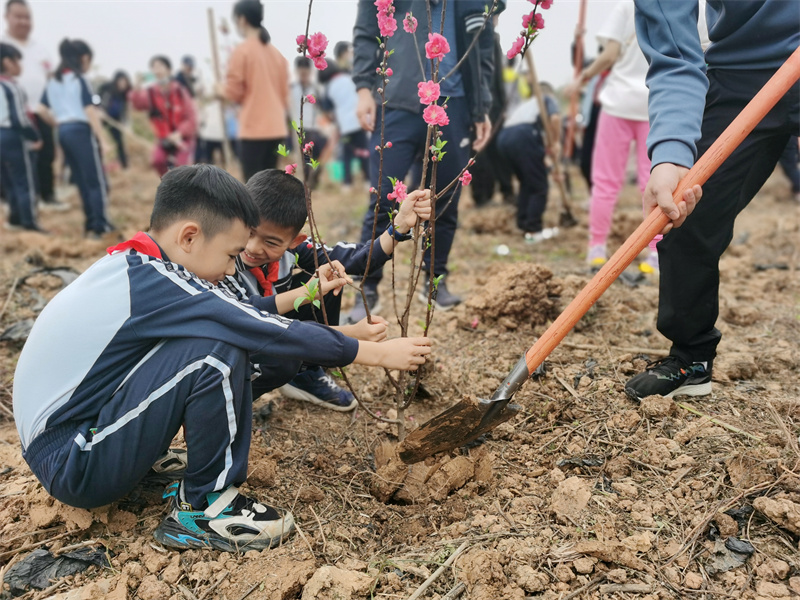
(212, 33)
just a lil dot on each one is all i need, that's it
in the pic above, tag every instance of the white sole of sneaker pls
(702, 389)
(297, 394)
(424, 299)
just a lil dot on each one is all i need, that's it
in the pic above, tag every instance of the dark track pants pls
(44, 160)
(407, 132)
(354, 145)
(16, 171)
(257, 155)
(790, 163)
(200, 383)
(83, 157)
(490, 169)
(523, 147)
(689, 256)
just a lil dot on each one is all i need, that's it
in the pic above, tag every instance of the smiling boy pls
(145, 342)
(275, 252)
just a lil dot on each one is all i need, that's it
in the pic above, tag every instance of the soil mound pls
(517, 295)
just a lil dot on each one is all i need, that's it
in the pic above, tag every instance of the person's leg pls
(347, 159)
(159, 159)
(509, 141)
(587, 148)
(185, 156)
(269, 154)
(360, 143)
(249, 158)
(71, 144)
(640, 131)
(689, 297)
(17, 173)
(90, 176)
(198, 383)
(501, 168)
(458, 138)
(482, 179)
(609, 160)
(789, 163)
(44, 162)
(407, 132)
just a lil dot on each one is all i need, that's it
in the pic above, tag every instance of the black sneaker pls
(317, 387)
(373, 301)
(671, 376)
(169, 467)
(232, 522)
(442, 298)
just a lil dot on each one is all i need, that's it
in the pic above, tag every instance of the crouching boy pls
(278, 260)
(144, 342)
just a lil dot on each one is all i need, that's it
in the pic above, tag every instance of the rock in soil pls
(332, 583)
(783, 512)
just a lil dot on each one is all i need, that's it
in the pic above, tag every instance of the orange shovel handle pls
(783, 79)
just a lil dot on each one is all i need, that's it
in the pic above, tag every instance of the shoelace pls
(328, 380)
(664, 363)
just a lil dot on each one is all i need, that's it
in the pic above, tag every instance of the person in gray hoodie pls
(693, 98)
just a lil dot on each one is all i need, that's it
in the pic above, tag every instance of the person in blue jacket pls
(70, 104)
(16, 130)
(693, 98)
(146, 342)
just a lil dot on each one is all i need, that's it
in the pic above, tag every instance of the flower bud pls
(388, 144)
(389, 72)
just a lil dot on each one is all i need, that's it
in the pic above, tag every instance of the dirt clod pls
(783, 512)
(657, 406)
(570, 498)
(332, 583)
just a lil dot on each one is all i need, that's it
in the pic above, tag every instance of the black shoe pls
(373, 302)
(170, 466)
(442, 298)
(671, 376)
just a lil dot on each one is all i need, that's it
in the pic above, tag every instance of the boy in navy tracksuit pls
(16, 129)
(277, 248)
(145, 342)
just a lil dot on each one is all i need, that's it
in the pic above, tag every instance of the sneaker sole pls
(424, 299)
(698, 389)
(178, 537)
(297, 394)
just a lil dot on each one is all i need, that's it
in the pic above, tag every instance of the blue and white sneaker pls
(317, 387)
(232, 523)
(669, 377)
(170, 466)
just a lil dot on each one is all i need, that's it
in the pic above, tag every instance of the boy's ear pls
(187, 236)
(299, 239)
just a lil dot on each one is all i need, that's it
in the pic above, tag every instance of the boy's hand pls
(416, 204)
(664, 179)
(406, 354)
(332, 277)
(370, 332)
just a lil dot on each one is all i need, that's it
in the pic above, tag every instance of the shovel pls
(469, 419)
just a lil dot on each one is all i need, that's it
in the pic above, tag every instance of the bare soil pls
(583, 495)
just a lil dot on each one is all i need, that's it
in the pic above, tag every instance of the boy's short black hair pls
(163, 60)
(280, 198)
(341, 48)
(8, 51)
(205, 193)
(302, 62)
(11, 3)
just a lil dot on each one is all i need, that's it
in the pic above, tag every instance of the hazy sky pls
(126, 33)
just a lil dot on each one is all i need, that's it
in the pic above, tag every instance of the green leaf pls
(298, 302)
(294, 126)
(316, 303)
(390, 52)
(314, 164)
(436, 281)
(282, 150)
(393, 180)
(296, 259)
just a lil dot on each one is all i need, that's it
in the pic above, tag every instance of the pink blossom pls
(466, 178)
(389, 72)
(410, 23)
(400, 192)
(317, 43)
(538, 21)
(437, 46)
(388, 144)
(300, 39)
(545, 4)
(384, 5)
(310, 99)
(320, 63)
(516, 47)
(290, 169)
(428, 92)
(308, 148)
(387, 24)
(526, 20)
(435, 115)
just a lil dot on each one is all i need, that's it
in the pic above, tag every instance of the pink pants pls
(609, 160)
(161, 161)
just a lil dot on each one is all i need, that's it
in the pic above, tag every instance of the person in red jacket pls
(172, 115)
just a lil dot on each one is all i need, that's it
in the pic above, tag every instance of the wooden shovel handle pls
(783, 79)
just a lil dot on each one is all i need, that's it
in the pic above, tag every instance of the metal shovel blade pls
(454, 428)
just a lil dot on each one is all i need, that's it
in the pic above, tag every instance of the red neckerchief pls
(142, 243)
(266, 281)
